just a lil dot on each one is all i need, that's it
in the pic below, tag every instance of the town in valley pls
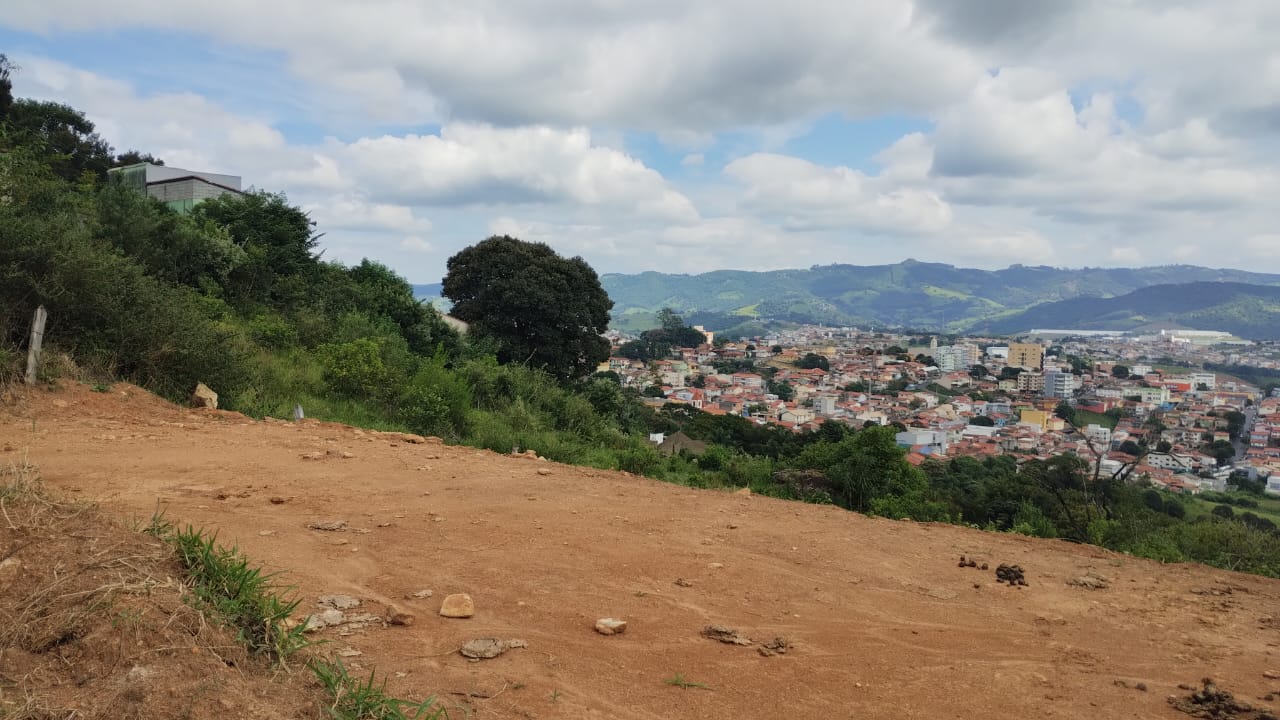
(1144, 403)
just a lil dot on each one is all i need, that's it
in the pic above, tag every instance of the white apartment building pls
(1154, 395)
(956, 357)
(1060, 384)
(1207, 379)
(1098, 435)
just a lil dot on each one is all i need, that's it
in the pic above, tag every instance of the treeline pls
(1266, 378)
(235, 294)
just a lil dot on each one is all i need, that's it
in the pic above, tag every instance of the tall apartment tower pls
(1028, 356)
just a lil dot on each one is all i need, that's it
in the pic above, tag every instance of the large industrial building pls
(178, 188)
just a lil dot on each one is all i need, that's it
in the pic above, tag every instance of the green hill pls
(1249, 311)
(907, 294)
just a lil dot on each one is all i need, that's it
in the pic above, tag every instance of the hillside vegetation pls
(1248, 311)
(908, 294)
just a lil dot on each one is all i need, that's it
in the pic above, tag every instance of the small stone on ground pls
(338, 602)
(486, 648)
(458, 605)
(611, 626)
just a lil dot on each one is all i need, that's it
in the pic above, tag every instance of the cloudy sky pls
(690, 136)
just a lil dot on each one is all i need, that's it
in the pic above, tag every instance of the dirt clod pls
(396, 616)
(776, 646)
(1211, 701)
(725, 635)
(1011, 574)
(1090, 581)
(328, 525)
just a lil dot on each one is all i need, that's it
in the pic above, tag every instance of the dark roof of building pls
(196, 177)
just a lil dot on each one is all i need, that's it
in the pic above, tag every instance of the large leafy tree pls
(278, 241)
(66, 138)
(865, 467)
(540, 308)
(380, 292)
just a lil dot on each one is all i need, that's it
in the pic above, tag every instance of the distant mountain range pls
(908, 294)
(934, 296)
(1249, 311)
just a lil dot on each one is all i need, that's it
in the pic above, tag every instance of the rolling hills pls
(940, 297)
(1249, 311)
(907, 294)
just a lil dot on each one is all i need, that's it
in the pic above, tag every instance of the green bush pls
(911, 506)
(436, 401)
(355, 368)
(639, 460)
(1031, 520)
(271, 330)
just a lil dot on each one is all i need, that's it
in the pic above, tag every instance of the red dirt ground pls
(881, 620)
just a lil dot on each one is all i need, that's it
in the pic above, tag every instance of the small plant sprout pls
(680, 681)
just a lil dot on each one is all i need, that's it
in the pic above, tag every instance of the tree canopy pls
(812, 361)
(658, 343)
(66, 138)
(540, 308)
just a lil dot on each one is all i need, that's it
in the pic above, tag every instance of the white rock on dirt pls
(328, 618)
(611, 626)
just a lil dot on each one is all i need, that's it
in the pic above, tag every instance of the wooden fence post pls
(37, 339)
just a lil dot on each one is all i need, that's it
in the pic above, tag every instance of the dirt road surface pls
(880, 620)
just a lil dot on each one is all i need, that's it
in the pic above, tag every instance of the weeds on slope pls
(355, 699)
(244, 597)
(250, 601)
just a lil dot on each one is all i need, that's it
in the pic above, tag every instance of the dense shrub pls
(436, 401)
(355, 369)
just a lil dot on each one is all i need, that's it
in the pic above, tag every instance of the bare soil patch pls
(95, 622)
(878, 619)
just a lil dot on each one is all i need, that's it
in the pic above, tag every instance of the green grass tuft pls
(242, 596)
(679, 680)
(354, 699)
